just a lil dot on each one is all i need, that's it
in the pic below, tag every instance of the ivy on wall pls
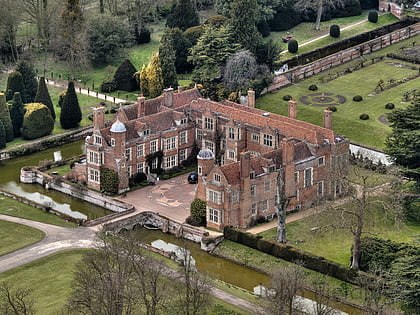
(151, 157)
(109, 181)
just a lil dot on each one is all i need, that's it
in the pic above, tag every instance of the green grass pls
(336, 244)
(18, 209)
(362, 82)
(14, 236)
(50, 279)
(304, 32)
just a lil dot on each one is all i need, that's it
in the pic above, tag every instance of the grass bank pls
(18, 209)
(14, 236)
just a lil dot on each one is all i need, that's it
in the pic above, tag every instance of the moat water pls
(9, 181)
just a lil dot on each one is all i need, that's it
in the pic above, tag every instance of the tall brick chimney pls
(180, 89)
(168, 95)
(251, 98)
(292, 106)
(287, 151)
(141, 106)
(327, 119)
(245, 159)
(99, 116)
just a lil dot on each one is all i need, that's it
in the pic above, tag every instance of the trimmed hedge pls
(313, 87)
(364, 116)
(335, 31)
(287, 97)
(389, 105)
(291, 254)
(293, 46)
(37, 121)
(358, 98)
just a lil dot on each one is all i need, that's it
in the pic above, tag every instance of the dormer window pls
(184, 121)
(268, 140)
(231, 133)
(271, 169)
(98, 140)
(217, 177)
(146, 132)
(208, 123)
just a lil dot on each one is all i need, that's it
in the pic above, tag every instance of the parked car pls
(193, 178)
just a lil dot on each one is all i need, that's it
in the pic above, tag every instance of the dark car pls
(193, 178)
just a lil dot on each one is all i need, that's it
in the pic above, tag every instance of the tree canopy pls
(183, 15)
(30, 84)
(404, 141)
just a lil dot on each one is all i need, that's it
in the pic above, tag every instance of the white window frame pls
(209, 145)
(267, 185)
(217, 177)
(214, 215)
(235, 196)
(265, 204)
(214, 196)
(183, 154)
(255, 137)
(154, 163)
(253, 189)
(308, 182)
(140, 150)
(321, 161)
(208, 123)
(171, 143)
(171, 161)
(153, 146)
(94, 176)
(320, 189)
(296, 174)
(267, 140)
(128, 154)
(140, 167)
(254, 209)
(183, 137)
(98, 140)
(94, 157)
(231, 133)
(129, 170)
(231, 155)
(199, 135)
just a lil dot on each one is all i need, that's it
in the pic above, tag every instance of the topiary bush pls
(358, 98)
(389, 106)
(313, 87)
(6, 119)
(287, 97)
(61, 97)
(37, 121)
(2, 136)
(109, 181)
(293, 46)
(373, 16)
(124, 77)
(198, 211)
(335, 31)
(364, 116)
(332, 108)
(108, 86)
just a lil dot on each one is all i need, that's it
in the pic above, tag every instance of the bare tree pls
(286, 283)
(281, 204)
(323, 296)
(194, 288)
(319, 6)
(10, 14)
(15, 301)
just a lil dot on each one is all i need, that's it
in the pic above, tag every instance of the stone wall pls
(305, 71)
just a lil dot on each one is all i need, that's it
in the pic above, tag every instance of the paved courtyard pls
(170, 198)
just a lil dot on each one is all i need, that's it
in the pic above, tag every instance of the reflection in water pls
(180, 252)
(9, 181)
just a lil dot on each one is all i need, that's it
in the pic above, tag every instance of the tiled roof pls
(231, 172)
(301, 151)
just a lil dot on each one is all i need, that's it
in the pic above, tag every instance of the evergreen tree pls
(211, 52)
(124, 76)
(244, 19)
(183, 15)
(71, 114)
(15, 84)
(17, 110)
(240, 69)
(154, 76)
(43, 96)
(5, 118)
(2, 136)
(181, 46)
(30, 83)
(167, 59)
(143, 83)
(37, 121)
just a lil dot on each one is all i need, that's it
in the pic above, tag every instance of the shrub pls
(373, 16)
(215, 20)
(17, 110)
(335, 31)
(332, 108)
(389, 106)
(287, 97)
(313, 87)
(142, 36)
(194, 33)
(198, 211)
(70, 115)
(193, 221)
(30, 84)
(264, 28)
(37, 121)
(357, 98)
(108, 86)
(136, 179)
(43, 96)
(109, 181)
(2, 136)
(61, 97)
(15, 84)
(293, 46)
(124, 77)
(5, 118)
(364, 116)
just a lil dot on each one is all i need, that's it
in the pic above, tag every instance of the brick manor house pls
(246, 154)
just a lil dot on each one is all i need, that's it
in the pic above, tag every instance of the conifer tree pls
(30, 83)
(17, 110)
(154, 76)
(181, 45)
(5, 118)
(2, 136)
(183, 15)
(142, 81)
(124, 76)
(43, 96)
(15, 84)
(71, 114)
(167, 60)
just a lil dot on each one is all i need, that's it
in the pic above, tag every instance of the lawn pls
(14, 236)
(18, 209)
(336, 244)
(304, 32)
(362, 82)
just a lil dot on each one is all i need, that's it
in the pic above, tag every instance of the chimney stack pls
(292, 105)
(180, 89)
(245, 158)
(168, 97)
(141, 106)
(327, 119)
(251, 98)
(99, 116)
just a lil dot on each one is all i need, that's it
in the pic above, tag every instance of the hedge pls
(291, 254)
